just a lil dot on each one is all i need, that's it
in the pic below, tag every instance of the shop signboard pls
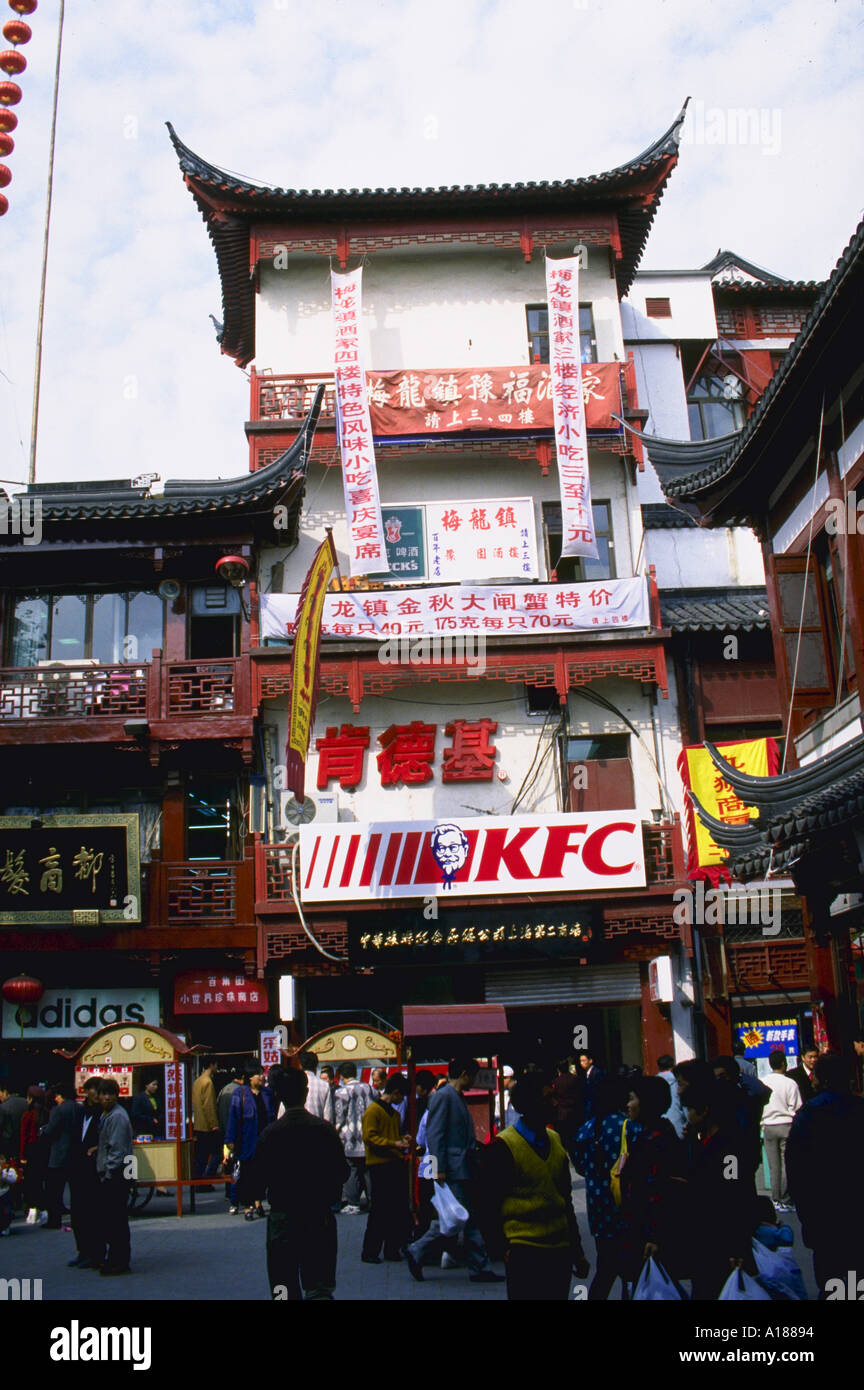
(476, 935)
(595, 851)
(80, 870)
(76, 1013)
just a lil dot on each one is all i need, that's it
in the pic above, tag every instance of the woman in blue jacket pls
(250, 1112)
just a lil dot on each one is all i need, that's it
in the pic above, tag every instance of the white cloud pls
(483, 91)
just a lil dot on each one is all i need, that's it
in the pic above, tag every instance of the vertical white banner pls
(367, 551)
(571, 438)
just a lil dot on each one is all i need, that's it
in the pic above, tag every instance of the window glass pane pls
(718, 417)
(145, 625)
(30, 632)
(107, 641)
(68, 628)
(695, 421)
(811, 674)
(582, 750)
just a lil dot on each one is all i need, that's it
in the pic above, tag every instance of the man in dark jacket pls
(824, 1153)
(750, 1098)
(452, 1144)
(302, 1165)
(83, 1181)
(59, 1135)
(803, 1073)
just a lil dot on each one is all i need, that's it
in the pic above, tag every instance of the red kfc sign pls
(594, 851)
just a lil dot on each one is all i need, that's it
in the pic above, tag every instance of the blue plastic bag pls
(742, 1288)
(654, 1284)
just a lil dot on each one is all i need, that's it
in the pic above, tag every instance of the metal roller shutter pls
(591, 984)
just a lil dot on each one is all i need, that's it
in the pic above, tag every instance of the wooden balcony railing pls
(290, 397)
(154, 691)
(216, 894)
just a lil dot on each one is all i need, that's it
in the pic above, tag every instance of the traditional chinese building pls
(480, 688)
(129, 745)
(793, 475)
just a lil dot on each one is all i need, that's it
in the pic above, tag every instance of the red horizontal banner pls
(495, 398)
(218, 992)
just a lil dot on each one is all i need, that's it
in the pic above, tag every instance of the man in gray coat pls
(451, 1144)
(113, 1168)
(58, 1136)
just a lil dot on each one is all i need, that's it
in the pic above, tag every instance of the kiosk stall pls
(126, 1052)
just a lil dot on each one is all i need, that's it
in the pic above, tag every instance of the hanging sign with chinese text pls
(405, 539)
(571, 438)
(511, 399)
(487, 540)
(218, 992)
(498, 611)
(597, 850)
(81, 870)
(760, 758)
(481, 934)
(367, 550)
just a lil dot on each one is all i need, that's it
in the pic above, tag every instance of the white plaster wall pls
(428, 478)
(686, 558)
(446, 308)
(517, 740)
(690, 300)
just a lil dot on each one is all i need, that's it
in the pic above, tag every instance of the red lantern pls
(23, 6)
(23, 989)
(10, 94)
(5, 175)
(7, 144)
(4, 204)
(12, 61)
(16, 31)
(8, 119)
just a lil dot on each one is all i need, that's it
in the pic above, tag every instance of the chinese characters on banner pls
(408, 753)
(368, 553)
(757, 756)
(305, 664)
(270, 1049)
(571, 438)
(218, 992)
(497, 611)
(488, 540)
(762, 1038)
(406, 403)
(175, 1100)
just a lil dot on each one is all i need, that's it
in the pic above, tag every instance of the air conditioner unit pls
(327, 808)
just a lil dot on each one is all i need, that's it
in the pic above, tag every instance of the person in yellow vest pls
(526, 1204)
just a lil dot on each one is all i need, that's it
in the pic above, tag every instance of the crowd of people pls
(670, 1163)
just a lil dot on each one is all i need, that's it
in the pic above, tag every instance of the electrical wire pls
(295, 854)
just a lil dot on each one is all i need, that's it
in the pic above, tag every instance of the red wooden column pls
(657, 1035)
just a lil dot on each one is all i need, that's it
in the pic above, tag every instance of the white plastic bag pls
(778, 1272)
(654, 1284)
(452, 1216)
(742, 1288)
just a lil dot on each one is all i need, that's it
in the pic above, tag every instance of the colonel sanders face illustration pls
(450, 851)
(393, 527)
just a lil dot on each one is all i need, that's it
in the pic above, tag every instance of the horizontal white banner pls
(496, 610)
(592, 852)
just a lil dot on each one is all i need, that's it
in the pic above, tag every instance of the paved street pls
(215, 1256)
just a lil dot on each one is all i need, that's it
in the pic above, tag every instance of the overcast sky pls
(342, 93)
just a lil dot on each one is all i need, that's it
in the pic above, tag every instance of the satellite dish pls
(169, 589)
(300, 813)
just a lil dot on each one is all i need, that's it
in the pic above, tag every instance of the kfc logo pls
(450, 851)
